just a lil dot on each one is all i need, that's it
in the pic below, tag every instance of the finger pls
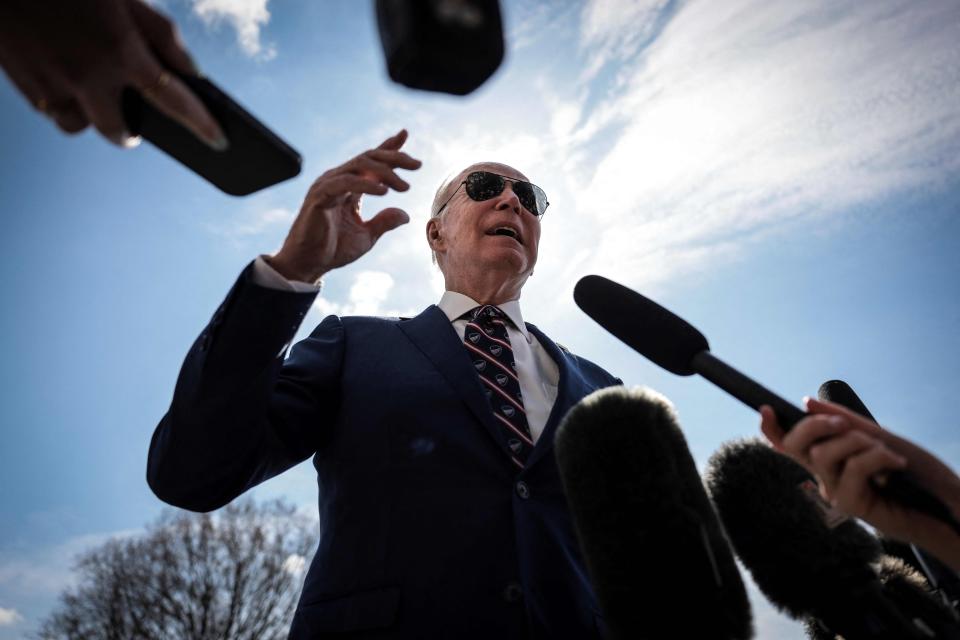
(386, 220)
(397, 159)
(101, 105)
(818, 406)
(770, 427)
(172, 97)
(854, 491)
(337, 186)
(34, 88)
(395, 141)
(368, 167)
(828, 458)
(69, 116)
(808, 431)
(163, 37)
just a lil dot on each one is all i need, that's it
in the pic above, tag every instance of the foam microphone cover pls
(451, 46)
(805, 558)
(780, 533)
(651, 540)
(654, 331)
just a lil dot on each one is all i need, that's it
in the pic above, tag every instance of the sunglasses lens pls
(483, 185)
(527, 195)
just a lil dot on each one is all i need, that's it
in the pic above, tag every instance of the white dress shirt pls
(537, 371)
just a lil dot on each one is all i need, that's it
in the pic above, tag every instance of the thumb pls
(386, 220)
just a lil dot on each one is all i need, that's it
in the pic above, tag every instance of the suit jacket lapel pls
(570, 389)
(433, 334)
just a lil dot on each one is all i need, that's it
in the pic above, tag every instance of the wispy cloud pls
(742, 117)
(246, 17)
(9, 617)
(260, 225)
(48, 570)
(707, 129)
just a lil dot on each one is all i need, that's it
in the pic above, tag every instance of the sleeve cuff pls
(266, 276)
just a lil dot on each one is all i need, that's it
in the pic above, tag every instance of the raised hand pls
(329, 232)
(846, 450)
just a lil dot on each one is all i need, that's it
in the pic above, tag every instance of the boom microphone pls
(807, 559)
(674, 344)
(651, 540)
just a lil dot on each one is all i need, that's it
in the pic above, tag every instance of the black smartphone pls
(256, 158)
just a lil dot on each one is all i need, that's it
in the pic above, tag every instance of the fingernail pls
(218, 143)
(125, 140)
(132, 142)
(835, 421)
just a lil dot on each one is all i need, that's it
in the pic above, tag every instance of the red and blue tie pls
(487, 342)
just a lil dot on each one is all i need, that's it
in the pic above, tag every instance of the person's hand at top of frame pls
(329, 232)
(845, 450)
(72, 60)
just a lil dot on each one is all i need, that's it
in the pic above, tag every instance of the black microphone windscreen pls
(662, 336)
(908, 588)
(781, 529)
(839, 392)
(650, 537)
(445, 46)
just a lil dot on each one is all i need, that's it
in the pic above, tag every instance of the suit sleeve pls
(240, 413)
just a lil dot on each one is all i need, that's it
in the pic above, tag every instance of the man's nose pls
(508, 200)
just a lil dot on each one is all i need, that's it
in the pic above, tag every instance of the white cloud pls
(367, 295)
(721, 126)
(262, 221)
(260, 225)
(615, 30)
(742, 119)
(247, 17)
(9, 617)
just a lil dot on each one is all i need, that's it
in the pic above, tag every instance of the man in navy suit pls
(441, 508)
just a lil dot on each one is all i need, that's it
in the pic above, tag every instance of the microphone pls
(808, 559)
(839, 392)
(905, 586)
(674, 344)
(651, 540)
(943, 579)
(451, 46)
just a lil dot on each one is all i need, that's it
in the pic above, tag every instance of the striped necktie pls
(487, 342)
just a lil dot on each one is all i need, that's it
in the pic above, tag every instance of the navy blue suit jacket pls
(427, 528)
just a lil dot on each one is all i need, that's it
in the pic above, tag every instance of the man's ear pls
(433, 233)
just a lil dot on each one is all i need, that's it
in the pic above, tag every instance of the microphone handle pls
(747, 390)
(897, 486)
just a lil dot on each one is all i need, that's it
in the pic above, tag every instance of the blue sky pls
(784, 175)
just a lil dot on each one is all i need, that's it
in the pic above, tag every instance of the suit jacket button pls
(523, 490)
(513, 592)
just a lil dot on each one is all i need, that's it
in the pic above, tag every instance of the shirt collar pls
(455, 304)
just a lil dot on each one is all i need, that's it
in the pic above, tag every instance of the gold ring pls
(42, 105)
(162, 80)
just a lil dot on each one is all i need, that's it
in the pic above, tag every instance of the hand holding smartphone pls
(256, 157)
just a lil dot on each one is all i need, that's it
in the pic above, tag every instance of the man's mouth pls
(505, 231)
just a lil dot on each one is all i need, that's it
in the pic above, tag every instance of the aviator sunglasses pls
(483, 185)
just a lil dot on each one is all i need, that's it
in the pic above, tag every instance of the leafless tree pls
(234, 575)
